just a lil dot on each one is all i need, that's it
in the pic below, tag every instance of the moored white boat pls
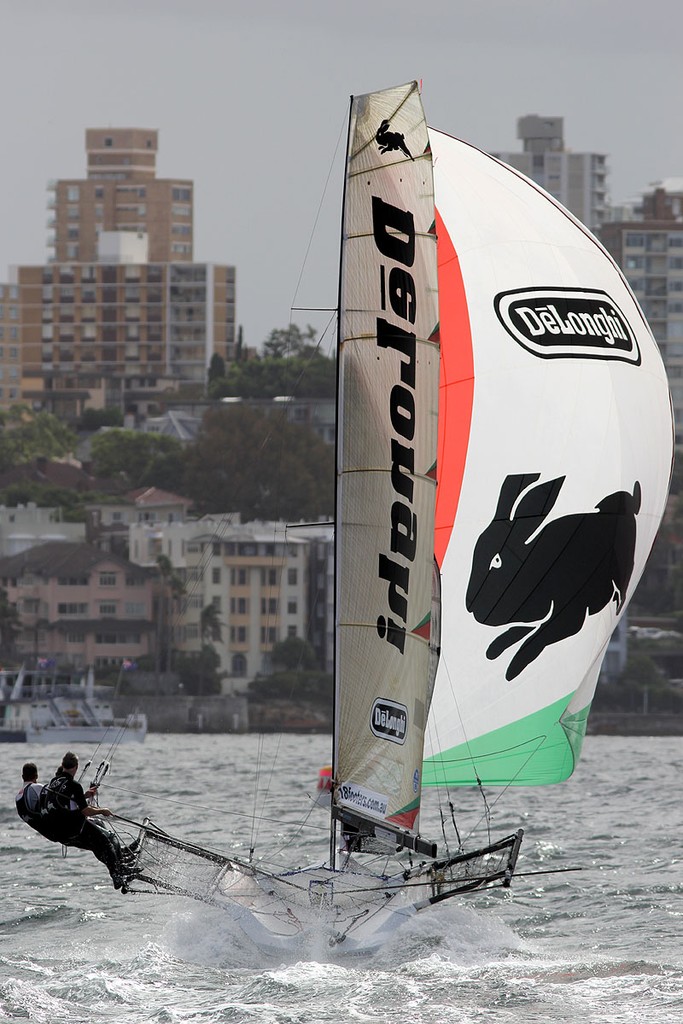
(42, 706)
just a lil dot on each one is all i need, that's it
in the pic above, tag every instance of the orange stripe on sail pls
(456, 388)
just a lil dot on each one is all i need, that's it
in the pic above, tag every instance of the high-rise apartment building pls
(120, 313)
(117, 334)
(649, 249)
(577, 180)
(121, 193)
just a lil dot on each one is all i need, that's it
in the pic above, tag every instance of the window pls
(238, 577)
(134, 608)
(291, 630)
(292, 577)
(72, 608)
(291, 607)
(239, 665)
(216, 602)
(107, 608)
(215, 575)
(107, 579)
(72, 193)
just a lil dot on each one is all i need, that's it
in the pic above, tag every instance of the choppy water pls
(603, 944)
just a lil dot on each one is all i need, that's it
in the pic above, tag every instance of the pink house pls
(80, 605)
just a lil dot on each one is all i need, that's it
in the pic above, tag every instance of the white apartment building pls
(577, 180)
(647, 243)
(25, 526)
(256, 575)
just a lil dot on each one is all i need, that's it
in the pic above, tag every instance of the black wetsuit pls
(65, 800)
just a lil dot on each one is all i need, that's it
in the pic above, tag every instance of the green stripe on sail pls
(538, 750)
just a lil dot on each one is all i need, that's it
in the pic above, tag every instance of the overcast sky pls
(250, 99)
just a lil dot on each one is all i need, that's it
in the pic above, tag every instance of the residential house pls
(107, 525)
(79, 605)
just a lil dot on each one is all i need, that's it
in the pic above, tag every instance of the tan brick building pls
(120, 314)
(118, 334)
(120, 193)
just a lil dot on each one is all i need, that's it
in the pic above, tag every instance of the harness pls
(57, 797)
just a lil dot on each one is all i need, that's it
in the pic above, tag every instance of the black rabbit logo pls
(551, 576)
(388, 141)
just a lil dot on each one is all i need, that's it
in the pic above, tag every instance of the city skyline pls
(251, 101)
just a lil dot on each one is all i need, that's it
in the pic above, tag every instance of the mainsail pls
(555, 451)
(387, 435)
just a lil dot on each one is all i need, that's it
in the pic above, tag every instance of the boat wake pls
(460, 935)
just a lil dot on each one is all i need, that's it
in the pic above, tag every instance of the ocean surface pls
(601, 944)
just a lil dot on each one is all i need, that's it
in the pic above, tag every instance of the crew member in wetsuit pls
(30, 801)
(67, 817)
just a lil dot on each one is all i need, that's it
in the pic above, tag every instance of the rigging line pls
(486, 816)
(341, 135)
(435, 729)
(178, 608)
(212, 810)
(257, 775)
(287, 841)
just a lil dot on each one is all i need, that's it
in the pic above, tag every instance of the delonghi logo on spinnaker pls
(389, 720)
(567, 323)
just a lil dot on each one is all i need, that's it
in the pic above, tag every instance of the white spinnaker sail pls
(387, 433)
(555, 449)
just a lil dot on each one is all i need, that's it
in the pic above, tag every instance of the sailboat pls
(504, 452)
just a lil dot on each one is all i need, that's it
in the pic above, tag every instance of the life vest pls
(31, 802)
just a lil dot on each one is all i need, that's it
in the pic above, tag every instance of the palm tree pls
(210, 628)
(10, 624)
(172, 588)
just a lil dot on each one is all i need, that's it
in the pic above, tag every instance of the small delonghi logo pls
(389, 721)
(390, 141)
(567, 322)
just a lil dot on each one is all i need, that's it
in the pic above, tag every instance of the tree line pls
(244, 459)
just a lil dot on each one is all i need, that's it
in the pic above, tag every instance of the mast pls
(337, 446)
